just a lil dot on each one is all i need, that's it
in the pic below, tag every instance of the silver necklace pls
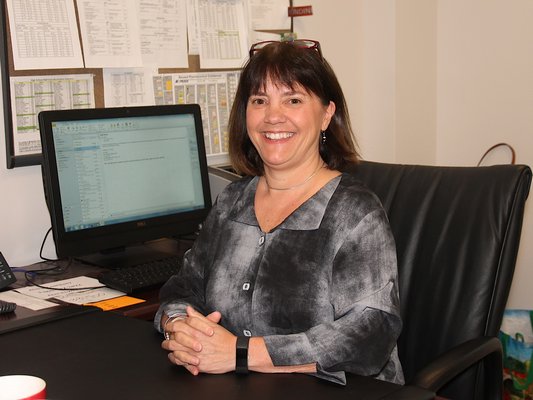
(299, 184)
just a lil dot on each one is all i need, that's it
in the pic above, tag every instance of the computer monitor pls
(116, 178)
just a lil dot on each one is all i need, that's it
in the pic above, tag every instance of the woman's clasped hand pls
(200, 344)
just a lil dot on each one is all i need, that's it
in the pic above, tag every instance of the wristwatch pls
(241, 355)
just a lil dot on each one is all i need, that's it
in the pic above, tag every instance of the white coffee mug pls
(22, 387)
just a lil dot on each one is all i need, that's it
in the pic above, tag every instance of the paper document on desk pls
(80, 290)
(22, 300)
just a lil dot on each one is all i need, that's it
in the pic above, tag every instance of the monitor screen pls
(118, 177)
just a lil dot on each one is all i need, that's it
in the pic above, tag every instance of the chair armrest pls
(456, 360)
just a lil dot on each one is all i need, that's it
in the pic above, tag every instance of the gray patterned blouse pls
(320, 288)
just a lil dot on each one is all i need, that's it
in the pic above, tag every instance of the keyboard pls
(144, 276)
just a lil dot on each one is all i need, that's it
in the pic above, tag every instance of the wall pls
(357, 38)
(23, 214)
(427, 81)
(485, 96)
(415, 83)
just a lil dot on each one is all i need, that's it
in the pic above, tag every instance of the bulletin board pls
(8, 71)
(27, 90)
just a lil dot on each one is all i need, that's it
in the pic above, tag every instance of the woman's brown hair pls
(290, 65)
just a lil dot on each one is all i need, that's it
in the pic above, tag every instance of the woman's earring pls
(323, 133)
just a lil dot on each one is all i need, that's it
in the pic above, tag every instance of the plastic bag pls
(516, 335)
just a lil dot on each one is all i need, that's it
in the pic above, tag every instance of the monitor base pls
(132, 255)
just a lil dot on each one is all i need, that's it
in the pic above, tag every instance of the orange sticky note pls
(117, 302)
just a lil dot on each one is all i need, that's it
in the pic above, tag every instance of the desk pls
(102, 355)
(22, 315)
(75, 268)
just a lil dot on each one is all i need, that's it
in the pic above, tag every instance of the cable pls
(513, 154)
(42, 247)
(29, 275)
(56, 270)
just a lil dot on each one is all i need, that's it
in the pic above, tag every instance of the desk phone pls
(6, 278)
(6, 275)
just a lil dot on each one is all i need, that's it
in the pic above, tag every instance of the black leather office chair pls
(457, 232)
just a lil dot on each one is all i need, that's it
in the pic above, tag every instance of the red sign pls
(301, 11)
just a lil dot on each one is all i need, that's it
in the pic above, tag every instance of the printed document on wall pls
(193, 33)
(44, 34)
(33, 94)
(163, 30)
(268, 15)
(128, 87)
(214, 92)
(110, 31)
(223, 33)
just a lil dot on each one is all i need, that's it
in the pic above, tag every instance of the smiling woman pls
(295, 69)
(284, 125)
(295, 267)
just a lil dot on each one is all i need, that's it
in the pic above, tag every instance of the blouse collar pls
(307, 216)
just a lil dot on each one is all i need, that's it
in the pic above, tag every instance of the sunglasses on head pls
(300, 43)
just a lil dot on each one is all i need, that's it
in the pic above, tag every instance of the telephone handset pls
(6, 278)
(6, 275)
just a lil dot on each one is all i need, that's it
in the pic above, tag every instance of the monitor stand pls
(132, 255)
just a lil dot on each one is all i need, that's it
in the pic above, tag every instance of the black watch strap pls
(241, 360)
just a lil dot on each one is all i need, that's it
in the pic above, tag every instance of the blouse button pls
(246, 286)
(261, 240)
(247, 333)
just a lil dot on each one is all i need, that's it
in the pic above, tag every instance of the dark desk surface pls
(74, 268)
(22, 315)
(101, 355)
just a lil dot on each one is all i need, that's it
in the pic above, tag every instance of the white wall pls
(427, 81)
(415, 83)
(485, 96)
(24, 218)
(357, 38)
